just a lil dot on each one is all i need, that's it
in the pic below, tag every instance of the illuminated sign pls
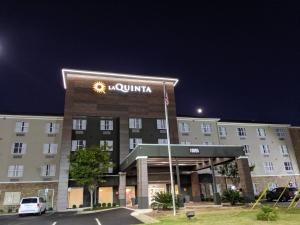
(194, 150)
(101, 88)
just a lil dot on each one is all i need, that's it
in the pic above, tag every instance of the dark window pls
(29, 200)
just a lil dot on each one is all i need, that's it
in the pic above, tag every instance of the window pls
(52, 128)
(185, 142)
(78, 144)
(12, 198)
(110, 169)
(268, 166)
(15, 171)
(284, 150)
(288, 166)
(222, 131)
(48, 170)
(261, 132)
(162, 141)
(241, 131)
(106, 125)
(184, 127)
(207, 143)
(264, 149)
(281, 132)
(18, 148)
(206, 128)
(246, 149)
(108, 144)
(135, 123)
(50, 149)
(79, 124)
(133, 142)
(22, 127)
(161, 124)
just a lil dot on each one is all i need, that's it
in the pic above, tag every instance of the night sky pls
(238, 61)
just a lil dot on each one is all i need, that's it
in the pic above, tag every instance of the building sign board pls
(194, 150)
(101, 88)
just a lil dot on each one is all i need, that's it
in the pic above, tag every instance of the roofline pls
(117, 75)
(197, 118)
(7, 116)
(254, 124)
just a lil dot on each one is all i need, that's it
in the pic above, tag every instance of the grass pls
(229, 216)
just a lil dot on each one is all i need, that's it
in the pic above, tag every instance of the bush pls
(104, 205)
(50, 209)
(1, 211)
(9, 210)
(231, 196)
(80, 206)
(97, 205)
(114, 204)
(109, 204)
(163, 200)
(267, 214)
(74, 206)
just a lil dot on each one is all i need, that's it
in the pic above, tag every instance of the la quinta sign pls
(102, 88)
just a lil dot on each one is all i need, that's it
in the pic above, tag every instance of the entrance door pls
(47, 195)
(130, 195)
(154, 188)
(105, 195)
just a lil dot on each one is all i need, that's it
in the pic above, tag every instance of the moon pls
(199, 110)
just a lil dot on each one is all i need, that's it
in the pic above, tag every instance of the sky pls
(236, 60)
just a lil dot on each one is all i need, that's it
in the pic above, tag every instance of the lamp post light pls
(199, 111)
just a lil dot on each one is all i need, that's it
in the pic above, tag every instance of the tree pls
(230, 170)
(88, 165)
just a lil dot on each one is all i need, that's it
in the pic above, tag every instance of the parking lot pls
(112, 217)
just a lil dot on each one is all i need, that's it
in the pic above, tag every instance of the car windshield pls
(29, 200)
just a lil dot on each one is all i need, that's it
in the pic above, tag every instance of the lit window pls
(161, 124)
(268, 166)
(18, 148)
(241, 131)
(246, 149)
(184, 127)
(284, 150)
(48, 170)
(108, 144)
(162, 141)
(50, 149)
(264, 149)
(135, 123)
(52, 128)
(106, 125)
(133, 142)
(280, 132)
(222, 131)
(15, 171)
(261, 132)
(206, 128)
(78, 144)
(22, 127)
(288, 166)
(79, 124)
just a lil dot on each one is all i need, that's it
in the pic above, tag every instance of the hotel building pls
(127, 113)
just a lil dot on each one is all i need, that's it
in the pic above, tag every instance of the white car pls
(32, 205)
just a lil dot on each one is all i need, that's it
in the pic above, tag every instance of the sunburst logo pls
(99, 87)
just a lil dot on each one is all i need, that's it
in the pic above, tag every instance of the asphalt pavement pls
(111, 217)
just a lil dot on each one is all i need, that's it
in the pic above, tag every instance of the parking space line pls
(54, 223)
(98, 222)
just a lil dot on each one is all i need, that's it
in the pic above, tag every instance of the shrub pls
(80, 206)
(163, 200)
(109, 204)
(74, 206)
(1, 211)
(267, 214)
(231, 196)
(114, 204)
(9, 210)
(97, 205)
(50, 209)
(104, 205)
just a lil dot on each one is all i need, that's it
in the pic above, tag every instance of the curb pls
(140, 215)
(96, 211)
